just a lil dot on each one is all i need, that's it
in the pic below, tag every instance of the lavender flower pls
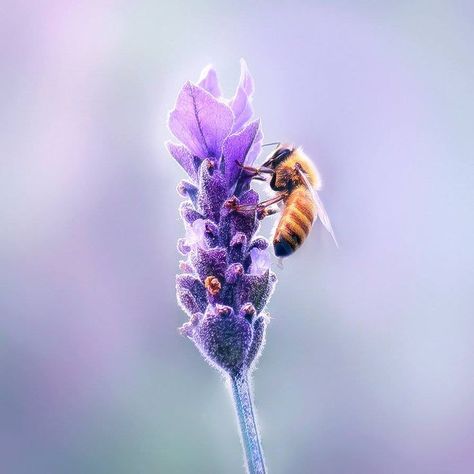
(226, 280)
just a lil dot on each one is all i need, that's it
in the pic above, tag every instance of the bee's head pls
(280, 154)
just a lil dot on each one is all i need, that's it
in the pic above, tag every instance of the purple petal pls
(260, 261)
(195, 234)
(203, 233)
(200, 121)
(236, 148)
(244, 181)
(183, 247)
(241, 108)
(241, 102)
(184, 157)
(208, 81)
(255, 148)
(246, 80)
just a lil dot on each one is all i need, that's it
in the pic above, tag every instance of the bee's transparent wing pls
(323, 216)
(321, 211)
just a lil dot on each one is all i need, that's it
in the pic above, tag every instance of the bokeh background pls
(369, 360)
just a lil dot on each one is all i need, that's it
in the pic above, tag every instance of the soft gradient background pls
(369, 360)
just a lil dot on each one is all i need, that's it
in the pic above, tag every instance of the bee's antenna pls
(270, 144)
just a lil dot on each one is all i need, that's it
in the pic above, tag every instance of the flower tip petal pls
(208, 81)
(200, 121)
(254, 126)
(241, 107)
(237, 148)
(246, 80)
(205, 72)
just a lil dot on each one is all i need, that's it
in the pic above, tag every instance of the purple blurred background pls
(369, 360)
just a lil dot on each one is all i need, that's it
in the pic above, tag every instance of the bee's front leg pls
(256, 173)
(262, 208)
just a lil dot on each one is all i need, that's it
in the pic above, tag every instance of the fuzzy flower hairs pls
(225, 280)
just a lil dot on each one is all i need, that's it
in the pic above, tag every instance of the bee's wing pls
(323, 216)
(321, 211)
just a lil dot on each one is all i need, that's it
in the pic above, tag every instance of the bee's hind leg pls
(263, 212)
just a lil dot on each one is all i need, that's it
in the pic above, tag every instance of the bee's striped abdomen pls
(295, 223)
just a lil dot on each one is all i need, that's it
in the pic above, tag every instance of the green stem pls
(242, 396)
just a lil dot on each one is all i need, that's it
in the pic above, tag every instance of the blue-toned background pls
(369, 360)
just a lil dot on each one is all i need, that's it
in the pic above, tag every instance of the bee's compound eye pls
(280, 155)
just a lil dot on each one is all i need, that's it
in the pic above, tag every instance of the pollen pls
(213, 285)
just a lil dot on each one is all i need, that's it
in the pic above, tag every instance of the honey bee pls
(296, 181)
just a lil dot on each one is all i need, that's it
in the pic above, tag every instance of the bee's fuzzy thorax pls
(299, 156)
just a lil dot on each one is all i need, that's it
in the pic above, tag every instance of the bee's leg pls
(263, 212)
(255, 173)
(261, 206)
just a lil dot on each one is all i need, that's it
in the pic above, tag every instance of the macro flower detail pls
(226, 281)
(229, 270)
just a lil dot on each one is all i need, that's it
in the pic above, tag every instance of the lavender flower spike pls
(226, 280)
